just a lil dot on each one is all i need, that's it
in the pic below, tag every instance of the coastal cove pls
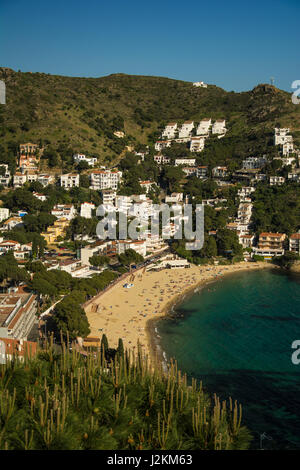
(235, 336)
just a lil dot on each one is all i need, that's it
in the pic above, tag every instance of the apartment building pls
(108, 197)
(5, 175)
(70, 180)
(270, 244)
(86, 210)
(204, 126)
(45, 180)
(281, 136)
(219, 127)
(253, 163)
(197, 144)
(161, 144)
(170, 130)
(276, 180)
(161, 159)
(185, 161)
(66, 211)
(219, 172)
(17, 314)
(186, 129)
(4, 213)
(105, 179)
(294, 243)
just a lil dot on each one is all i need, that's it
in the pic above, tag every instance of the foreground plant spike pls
(70, 401)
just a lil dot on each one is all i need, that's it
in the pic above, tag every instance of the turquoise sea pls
(235, 335)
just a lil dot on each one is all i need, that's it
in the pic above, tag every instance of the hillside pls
(81, 114)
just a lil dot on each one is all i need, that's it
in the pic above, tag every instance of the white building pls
(139, 246)
(174, 198)
(294, 177)
(45, 180)
(245, 192)
(67, 211)
(86, 210)
(5, 178)
(185, 161)
(287, 148)
(170, 130)
(276, 180)
(186, 129)
(197, 144)
(200, 84)
(204, 126)
(190, 170)
(80, 157)
(253, 163)
(12, 222)
(219, 172)
(281, 136)
(161, 144)
(39, 196)
(202, 171)
(105, 179)
(147, 185)
(219, 127)
(4, 213)
(294, 243)
(108, 197)
(70, 180)
(161, 159)
(19, 180)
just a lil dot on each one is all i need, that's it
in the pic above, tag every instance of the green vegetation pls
(66, 401)
(277, 208)
(69, 114)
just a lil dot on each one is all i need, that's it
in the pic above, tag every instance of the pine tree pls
(120, 348)
(104, 343)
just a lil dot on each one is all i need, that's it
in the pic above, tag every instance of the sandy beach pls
(125, 313)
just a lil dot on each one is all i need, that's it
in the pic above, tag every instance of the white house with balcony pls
(204, 126)
(185, 161)
(202, 171)
(253, 163)
(281, 136)
(80, 157)
(219, 172)
(105, 179)
(186, 129)
(66, 211)
(219, 127)
(86, 210)
(170, 130)
(276, 180)
(69, 180)
(197, 144)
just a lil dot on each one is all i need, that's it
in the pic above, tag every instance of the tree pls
(97, 260)
(70, 317)
(104, 343)
(120, 347)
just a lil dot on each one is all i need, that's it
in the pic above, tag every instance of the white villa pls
(186, 129)
(80, 157)
(170, 130)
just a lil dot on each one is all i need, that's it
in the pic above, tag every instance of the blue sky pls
(235, 44)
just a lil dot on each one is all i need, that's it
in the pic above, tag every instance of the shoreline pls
(131, 314)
